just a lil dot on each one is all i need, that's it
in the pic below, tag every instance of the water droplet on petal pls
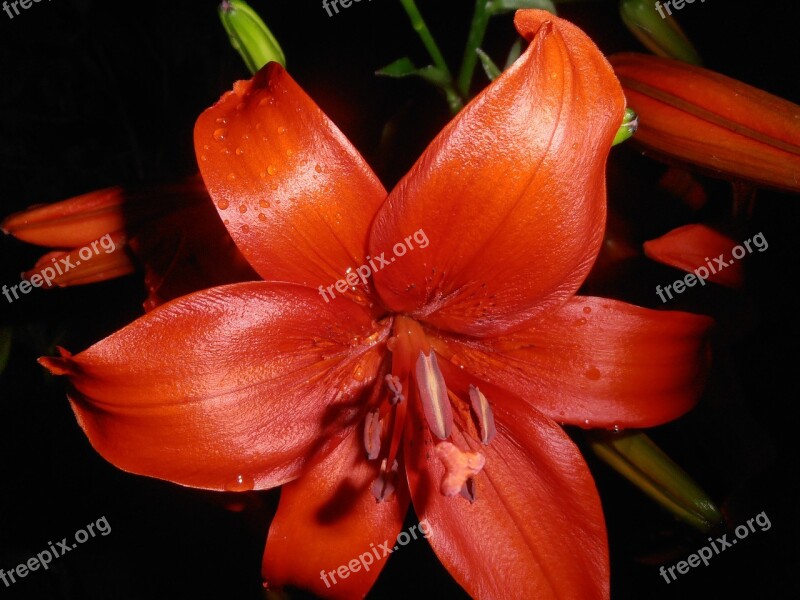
(281, 130)
(239, 152)
(262, 217)
(263, 203)
(242, 208)
(231, 176)
(358, 373)
(222, 204)
(587, 309)
(219, 134)
(245, 228)
(272, 169)
(289, 152)
(221, 121)
(318, 169)
(593, 373)
(241, 483)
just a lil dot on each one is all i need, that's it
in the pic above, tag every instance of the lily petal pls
(511, 193)
(329, 518)
(295, 195)
(535, 528)
(693, 246)
(597, 363)
(179, 396)
(727, 128)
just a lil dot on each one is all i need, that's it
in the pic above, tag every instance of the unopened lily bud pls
(249, 35)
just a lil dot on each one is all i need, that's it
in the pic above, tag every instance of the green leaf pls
(402, 67)
(491, 69)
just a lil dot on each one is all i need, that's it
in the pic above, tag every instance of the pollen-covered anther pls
(433, 394)
(394, 385)
(384, 485)
(460, 467)
(372, 434)
(484, 413)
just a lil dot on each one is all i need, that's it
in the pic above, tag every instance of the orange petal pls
(83, 219)
(536, 525)
(236, 387)
(597, 363)
(727, 128)
(511, 193)
(295, 195)
(696, 246)
(101, 260)
(329, 528)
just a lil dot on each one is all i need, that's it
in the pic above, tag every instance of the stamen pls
(460, 467)
(372, 434)
(484, 412)
(396, 387)
(383, 486)
(433, 394)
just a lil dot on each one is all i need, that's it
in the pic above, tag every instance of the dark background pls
(101, 93)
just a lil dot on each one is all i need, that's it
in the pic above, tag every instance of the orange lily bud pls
(728, 129)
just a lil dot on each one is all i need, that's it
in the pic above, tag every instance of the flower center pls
(416, 377)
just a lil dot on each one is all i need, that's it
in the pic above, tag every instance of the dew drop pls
(263, 203)
(222, 204)
(616, 428)
(241, 483)
(242, 208)
(579, 322)
(358, 373)
(203, 157)
(245, 228)
(281, 130)
(262, 217)
(272, 169)
(318, 168)
(219, 134)
(592, 373)
(586, 422)
(265, 101)
(263, 174)
(239, 152)
(206, 146)
(289, 152)
(587, 309)
(221, 121)
(273, 186)
(231, 176)
(226, 222)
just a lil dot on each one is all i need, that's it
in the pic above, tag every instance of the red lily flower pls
(440, 379)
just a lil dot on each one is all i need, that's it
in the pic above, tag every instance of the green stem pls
(480, 20)
(454, 100)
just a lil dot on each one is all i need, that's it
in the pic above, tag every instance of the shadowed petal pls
(597, 363)
(693, 246)
(329, 518)
(295, 195)
(230, 388)
(511, 193)
(535, 528)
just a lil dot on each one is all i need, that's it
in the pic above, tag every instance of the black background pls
(102, 93)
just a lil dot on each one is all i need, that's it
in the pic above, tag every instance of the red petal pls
(693, 247)
(511, 193)
(231, 388)
(328, 519)
(598, 363)
(536, 526)
(295, 195)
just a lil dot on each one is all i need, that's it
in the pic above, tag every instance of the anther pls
(394, 385)
(433, 394)
(372, 434)
(484, 413)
